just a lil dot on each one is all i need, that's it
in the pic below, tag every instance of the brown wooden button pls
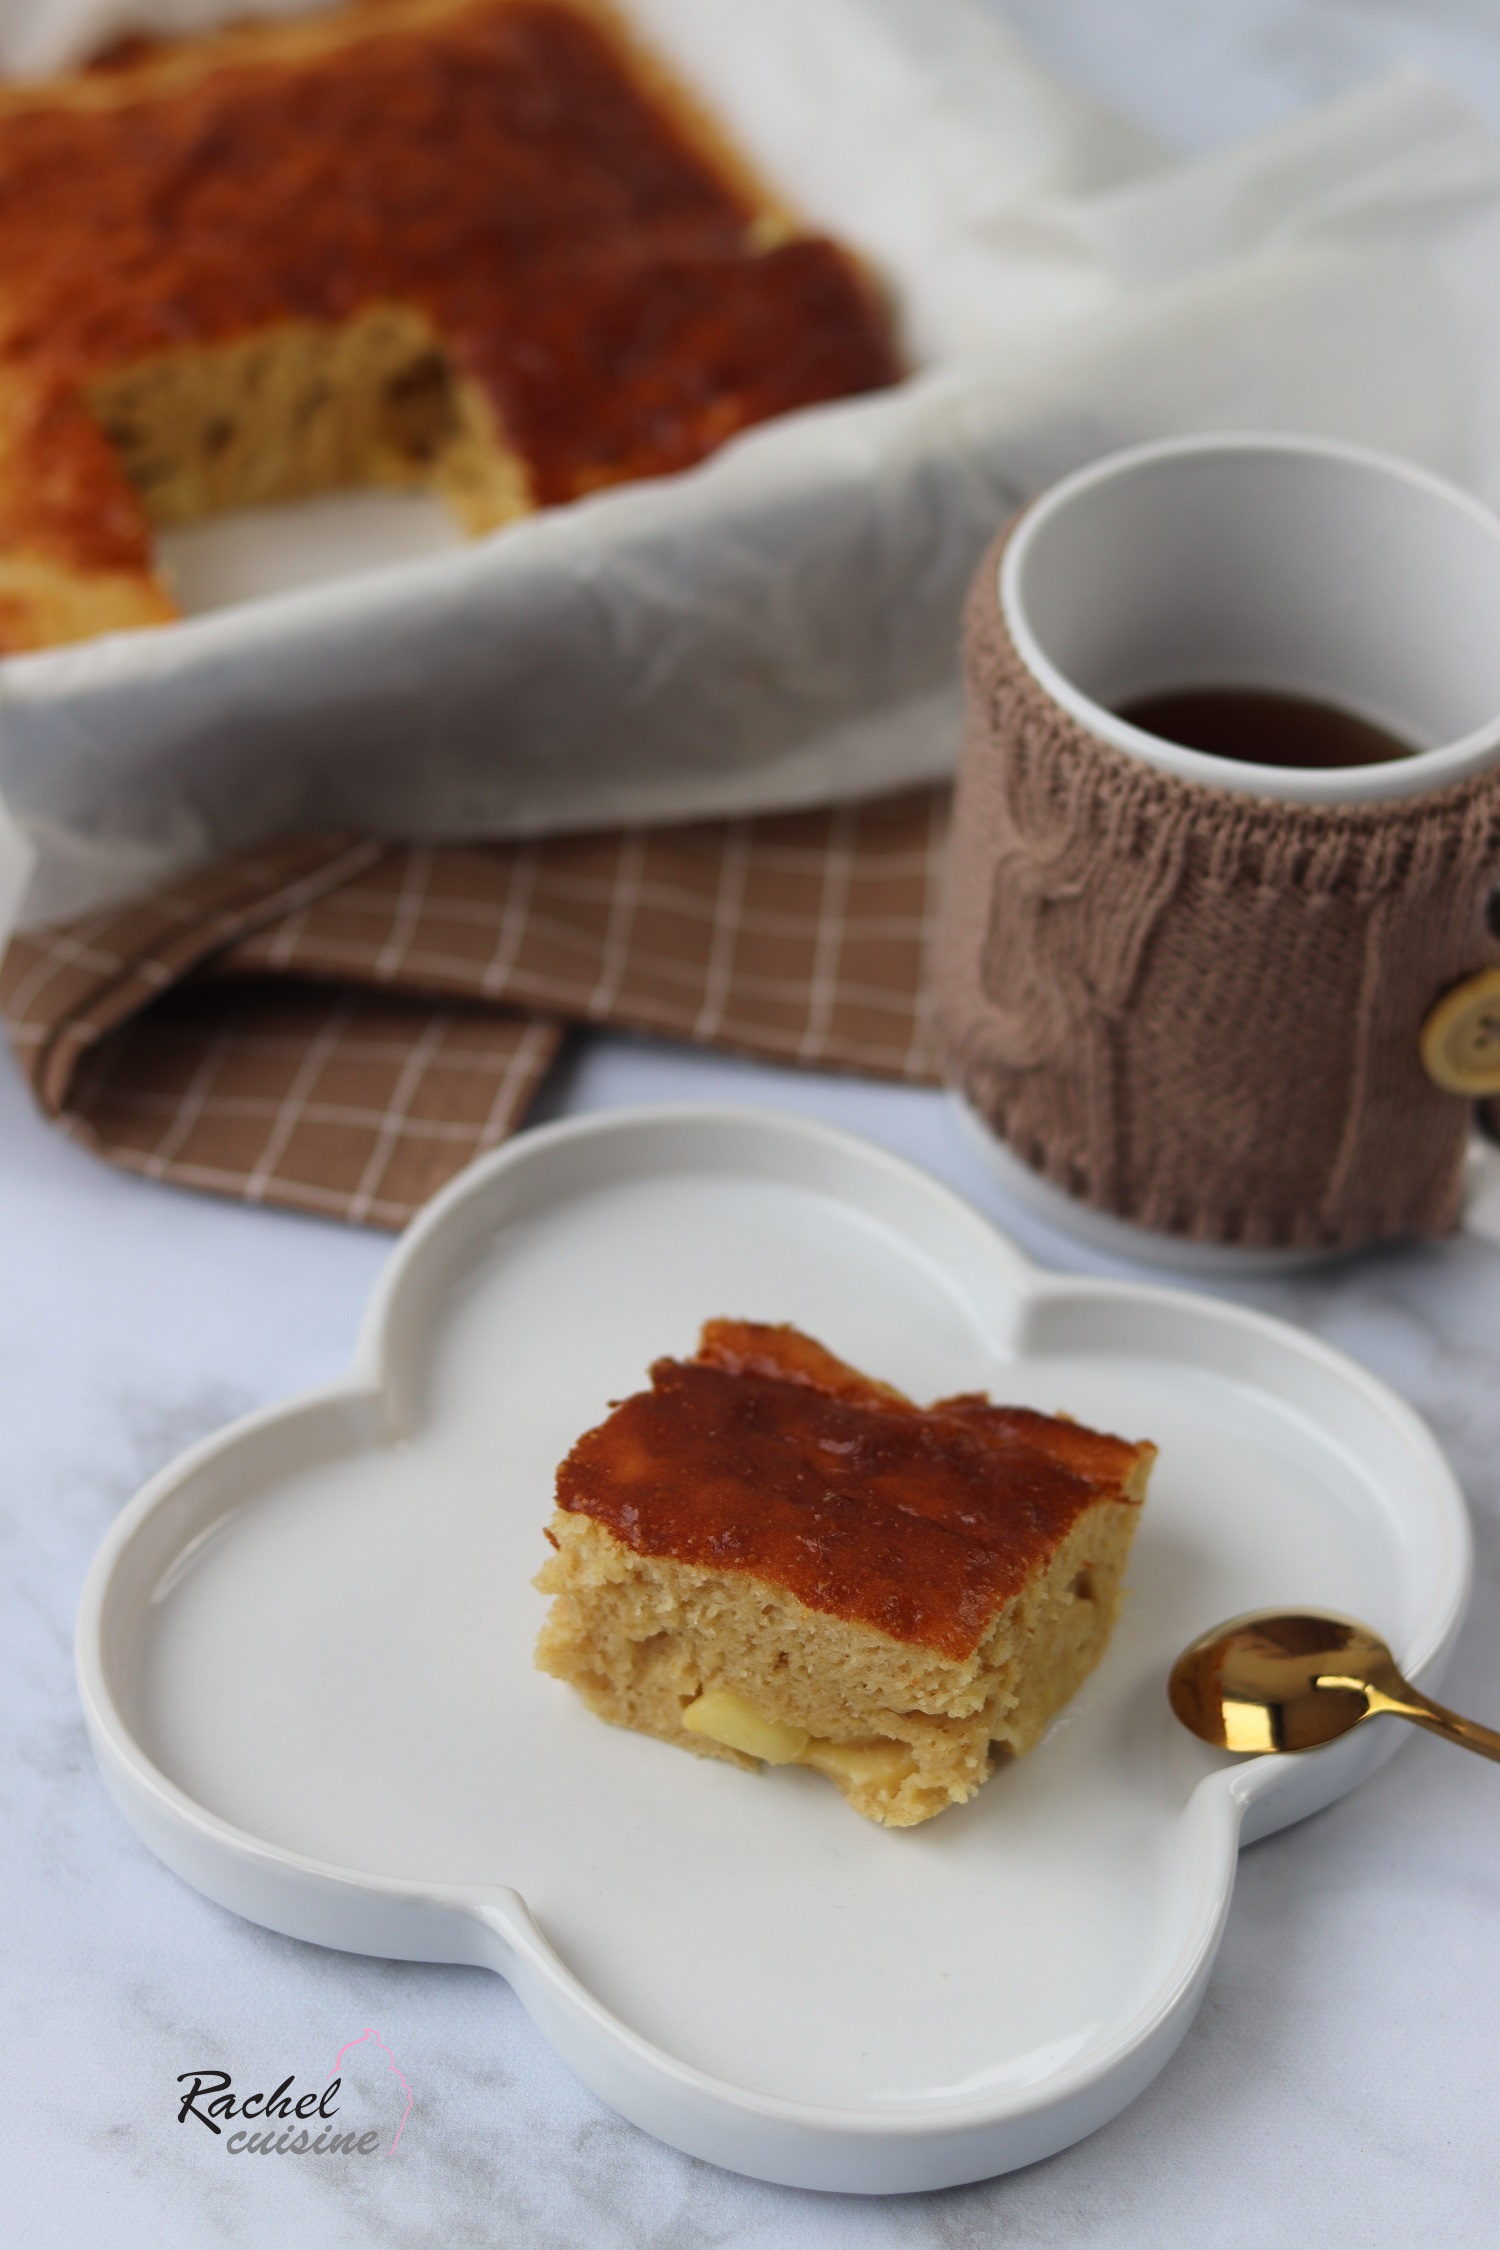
(1461, 1037)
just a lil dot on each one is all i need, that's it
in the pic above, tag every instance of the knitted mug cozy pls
(1195, 1009)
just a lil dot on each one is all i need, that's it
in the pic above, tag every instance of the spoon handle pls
(1411, 1704)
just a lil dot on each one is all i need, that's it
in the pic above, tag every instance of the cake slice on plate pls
(770, 1557)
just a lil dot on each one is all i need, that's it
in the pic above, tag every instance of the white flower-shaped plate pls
(305, 1656)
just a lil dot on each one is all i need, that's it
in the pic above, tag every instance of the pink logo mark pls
(395, 2067)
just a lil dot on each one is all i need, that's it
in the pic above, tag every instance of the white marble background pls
(1340, 2084)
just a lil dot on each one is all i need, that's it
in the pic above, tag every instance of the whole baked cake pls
(486, 245)
(770, 1557)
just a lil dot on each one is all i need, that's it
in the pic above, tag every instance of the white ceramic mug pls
(1291, 564)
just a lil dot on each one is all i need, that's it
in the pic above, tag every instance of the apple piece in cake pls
(769, 1557)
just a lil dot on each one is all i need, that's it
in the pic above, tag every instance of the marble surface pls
(1339, 2082)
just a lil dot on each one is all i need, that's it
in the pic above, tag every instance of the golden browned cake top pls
(766, 1454)
(506, 167)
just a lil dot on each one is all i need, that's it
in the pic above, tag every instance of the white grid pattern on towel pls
(362, 1018)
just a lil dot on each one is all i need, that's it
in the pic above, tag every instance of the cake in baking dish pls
(484, 245)
(770, 1557)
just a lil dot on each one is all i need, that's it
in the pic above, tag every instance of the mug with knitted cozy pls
(1253, 1007)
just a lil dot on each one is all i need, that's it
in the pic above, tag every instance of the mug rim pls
(1412, 776)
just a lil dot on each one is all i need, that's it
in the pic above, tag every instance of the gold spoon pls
(1275, 1682)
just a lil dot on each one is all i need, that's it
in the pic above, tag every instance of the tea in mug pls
(1257, 727)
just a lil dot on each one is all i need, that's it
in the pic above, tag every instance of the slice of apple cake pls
(770, 1557)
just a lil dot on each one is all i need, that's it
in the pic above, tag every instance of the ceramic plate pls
(737, 1961)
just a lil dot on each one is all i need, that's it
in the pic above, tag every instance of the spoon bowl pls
(1293, 1680)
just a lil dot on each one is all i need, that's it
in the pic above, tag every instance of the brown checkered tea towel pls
(341, 1024)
